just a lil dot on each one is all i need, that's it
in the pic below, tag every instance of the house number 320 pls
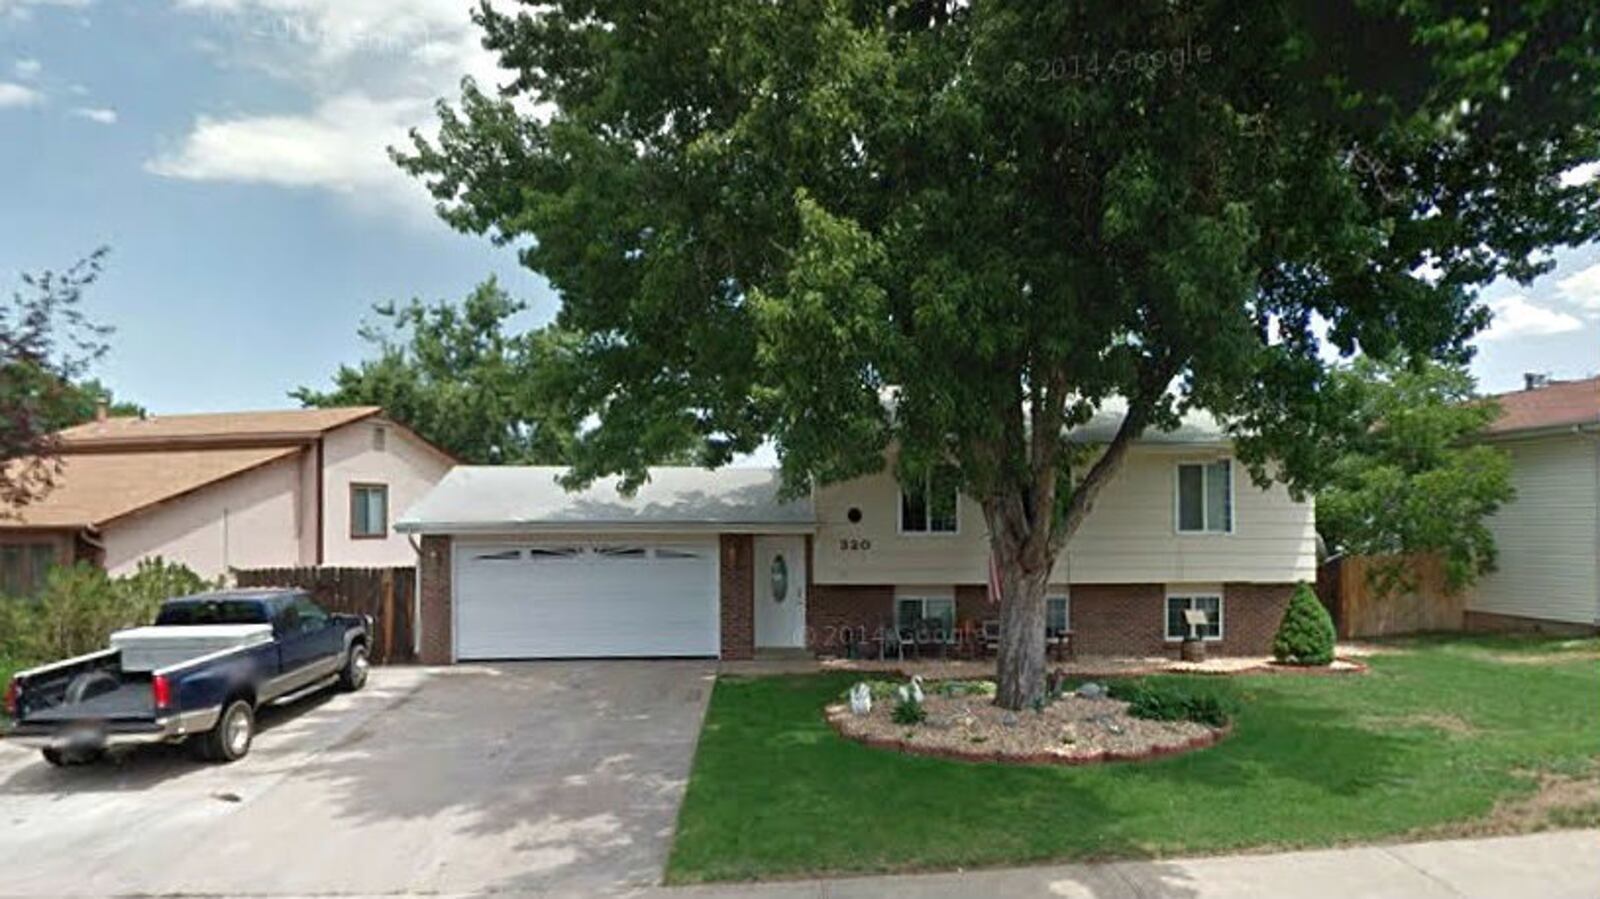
(853, 545)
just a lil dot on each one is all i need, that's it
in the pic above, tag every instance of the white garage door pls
(585, 599)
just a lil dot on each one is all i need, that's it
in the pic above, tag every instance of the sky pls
(232, 153)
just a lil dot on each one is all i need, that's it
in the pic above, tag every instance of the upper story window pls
(380, 438)
(931, 507)
(1205, 497)
(369, 511)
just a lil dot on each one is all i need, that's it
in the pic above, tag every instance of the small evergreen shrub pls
(1173, 701)
(909, 712)
(1306, 636)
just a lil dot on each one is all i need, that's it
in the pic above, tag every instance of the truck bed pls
(129, 700)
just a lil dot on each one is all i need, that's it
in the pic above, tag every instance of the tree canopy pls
(462, 376)
(47, 343)
(1411, 478)
(764, 218)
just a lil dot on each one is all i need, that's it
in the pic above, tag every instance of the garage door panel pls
(577, 600)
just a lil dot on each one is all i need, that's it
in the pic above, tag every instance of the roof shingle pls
(213, 427)
(95, 488)
(1557, 404)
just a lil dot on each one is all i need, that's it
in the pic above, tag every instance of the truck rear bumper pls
(99, 735)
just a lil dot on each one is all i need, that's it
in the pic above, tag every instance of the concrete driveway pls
(555, 777)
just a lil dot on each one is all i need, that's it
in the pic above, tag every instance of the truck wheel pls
(54, 756)
(90, 684)
(354, 675)
(230, 740)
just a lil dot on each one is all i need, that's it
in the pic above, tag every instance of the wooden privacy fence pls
(384, 593)
(1361, 609)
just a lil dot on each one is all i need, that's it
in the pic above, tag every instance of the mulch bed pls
(1071, 731)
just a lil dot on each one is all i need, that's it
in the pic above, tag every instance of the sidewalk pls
(1557, 865)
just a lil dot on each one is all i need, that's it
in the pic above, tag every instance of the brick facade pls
(737, 580)
(434, 576)
(1107, 619)
(1494, 622)
(837, 614)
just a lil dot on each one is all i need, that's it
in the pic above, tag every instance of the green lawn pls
(1437, 733)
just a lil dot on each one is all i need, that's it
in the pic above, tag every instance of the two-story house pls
(225, 490)
(715, 563)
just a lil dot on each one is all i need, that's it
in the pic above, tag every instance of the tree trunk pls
(1020, 670)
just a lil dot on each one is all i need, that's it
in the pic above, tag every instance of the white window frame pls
(1190, 594)
(922, 598)
(1066, 599)
(1177, 498)
(927, 501)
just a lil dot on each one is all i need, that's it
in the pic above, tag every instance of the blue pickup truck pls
(197, 675)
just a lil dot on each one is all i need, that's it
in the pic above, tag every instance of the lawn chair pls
(891, 642)
(991, 636)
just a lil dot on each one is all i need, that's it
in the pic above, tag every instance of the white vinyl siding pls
(1547, 538)
(1128, 538)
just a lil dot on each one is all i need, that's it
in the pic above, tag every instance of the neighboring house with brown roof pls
(1548, 538)
(225, 490)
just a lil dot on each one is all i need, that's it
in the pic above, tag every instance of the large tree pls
(1413, 476)
(955, 229)
(46, 344)
(463, 376)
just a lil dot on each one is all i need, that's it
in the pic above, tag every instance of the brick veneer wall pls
(1107, 619)
(434, 576)
(737, 579)
(835, 610)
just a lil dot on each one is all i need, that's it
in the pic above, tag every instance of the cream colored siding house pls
(1548, 537)
(225, 491)
(719, 563)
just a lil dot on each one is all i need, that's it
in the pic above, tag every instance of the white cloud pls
(371, 70)
(94, 114)
(340, 146)
(1517, 316)
(27, 68)
(1582, 289)
(12, 95)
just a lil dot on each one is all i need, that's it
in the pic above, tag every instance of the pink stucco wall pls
(268, 517)
(249, 520)
(409, 467)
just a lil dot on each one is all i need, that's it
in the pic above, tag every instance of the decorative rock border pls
(837, 714)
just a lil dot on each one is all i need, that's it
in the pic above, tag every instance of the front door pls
(780, 592)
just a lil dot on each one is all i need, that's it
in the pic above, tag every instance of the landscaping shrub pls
(1173, 701)
(1306, 636)
(909, 711)
(80, 606)
(966, 688)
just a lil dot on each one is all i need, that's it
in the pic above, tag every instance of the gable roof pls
(94, 489)
(521, 498)
(211, 428)
(1557, 404)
